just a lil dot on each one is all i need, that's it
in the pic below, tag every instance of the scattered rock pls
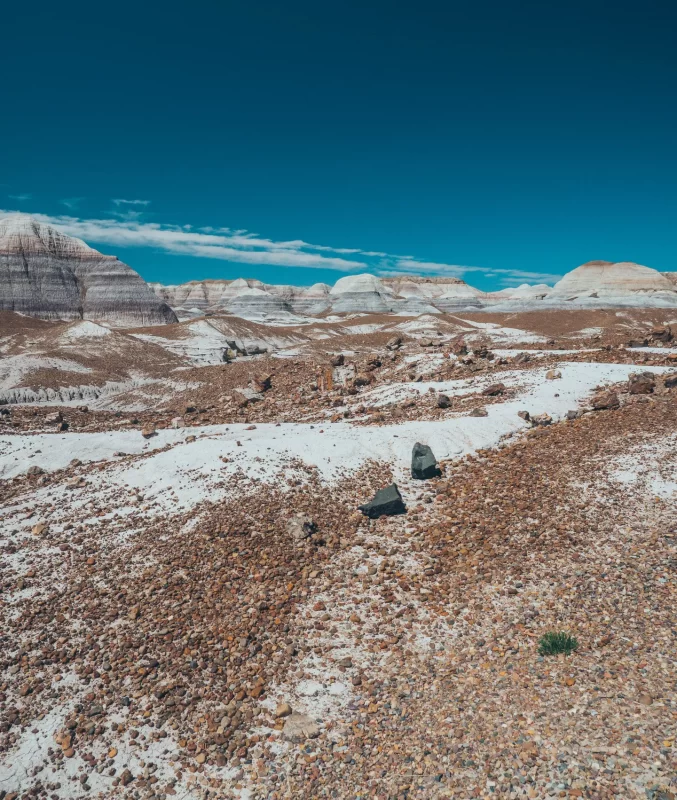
(35, 470)
(299, 727)
(243, 397)
(479, 412)
(605, 400)
(394, 344)
(386, 502)
(494, 389)
(338, 360)
(661, 334)
(262, 383)
(283, 710)
(443, 401)
(148, 431)
(641, 383)
(301, 526)
(423, 463)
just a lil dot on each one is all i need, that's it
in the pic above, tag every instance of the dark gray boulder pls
(386, 502)
(423, 463)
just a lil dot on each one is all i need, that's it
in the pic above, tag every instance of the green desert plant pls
(554, 642)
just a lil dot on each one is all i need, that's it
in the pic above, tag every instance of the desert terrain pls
(193, 604)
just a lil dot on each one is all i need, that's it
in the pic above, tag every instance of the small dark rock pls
(605, 400)
(662, 334)
(494, 389)
(641, 383)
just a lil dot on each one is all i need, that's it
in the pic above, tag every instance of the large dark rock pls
(423, 463)
(386, 502)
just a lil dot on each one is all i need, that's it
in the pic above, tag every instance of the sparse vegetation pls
(555, 642)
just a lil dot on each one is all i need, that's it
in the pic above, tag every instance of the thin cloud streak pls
(122, 202)
(241, 246)
(72, 202)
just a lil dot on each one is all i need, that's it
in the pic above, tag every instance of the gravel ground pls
(147, 652)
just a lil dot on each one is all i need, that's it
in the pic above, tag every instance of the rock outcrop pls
(44, 273)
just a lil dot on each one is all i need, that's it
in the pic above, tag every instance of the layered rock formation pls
(44, 273)
(360, 292)
(251, 299)
(244, 297)
(597, 284)
(441, 294)
(614, 284)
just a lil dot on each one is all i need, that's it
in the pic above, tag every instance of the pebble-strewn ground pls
(155, 649)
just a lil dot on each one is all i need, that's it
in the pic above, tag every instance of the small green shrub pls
(555, 642)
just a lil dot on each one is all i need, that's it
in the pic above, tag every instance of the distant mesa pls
(44, 273)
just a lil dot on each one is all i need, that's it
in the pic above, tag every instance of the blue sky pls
(301, 141)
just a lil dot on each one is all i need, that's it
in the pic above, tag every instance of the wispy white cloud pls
(72, 202)
(20, 197)
(121, 202)
(241, 246)
(522, 276)
(413, 265)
